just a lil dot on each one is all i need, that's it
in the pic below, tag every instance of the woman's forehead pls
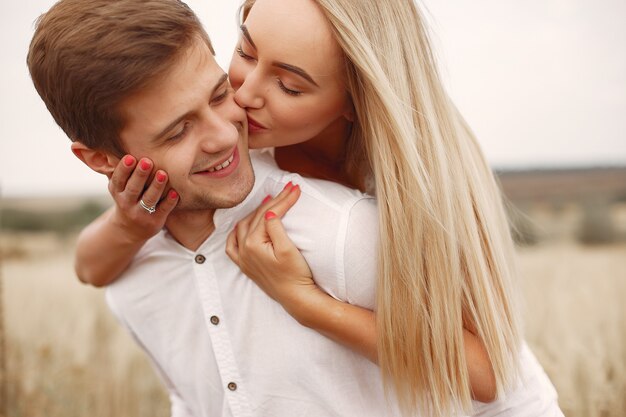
(294, 31)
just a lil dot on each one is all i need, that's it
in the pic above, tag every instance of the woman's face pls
(288, 73)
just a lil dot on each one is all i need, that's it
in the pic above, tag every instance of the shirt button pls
(232, 386)
(200, 259)
(215, 320)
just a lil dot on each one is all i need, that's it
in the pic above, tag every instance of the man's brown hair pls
(87, 56)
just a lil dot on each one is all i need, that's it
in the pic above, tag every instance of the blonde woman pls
(348, 91)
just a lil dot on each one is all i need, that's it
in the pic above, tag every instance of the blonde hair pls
(445, 249)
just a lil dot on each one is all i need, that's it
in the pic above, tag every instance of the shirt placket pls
(234, 389)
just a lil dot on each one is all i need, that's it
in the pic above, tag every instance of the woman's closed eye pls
(289, 91)
(242, 54)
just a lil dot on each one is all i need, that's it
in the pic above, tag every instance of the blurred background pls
(543, 84)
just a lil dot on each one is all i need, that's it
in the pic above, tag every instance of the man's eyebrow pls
(246, 34)
(172, 125)
(296, 70)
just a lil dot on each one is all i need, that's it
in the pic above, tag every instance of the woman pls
(348, 91)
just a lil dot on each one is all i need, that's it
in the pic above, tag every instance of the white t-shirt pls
(224, 348)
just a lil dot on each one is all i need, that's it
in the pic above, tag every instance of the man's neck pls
(191, 227)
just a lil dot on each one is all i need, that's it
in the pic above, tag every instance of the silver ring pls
(147, 207)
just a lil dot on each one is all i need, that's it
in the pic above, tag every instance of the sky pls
(542, 83)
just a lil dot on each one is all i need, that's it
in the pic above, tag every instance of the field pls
(66, 355)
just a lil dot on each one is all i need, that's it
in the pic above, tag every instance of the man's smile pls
(223, 168)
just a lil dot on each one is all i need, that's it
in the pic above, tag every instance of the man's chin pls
(212, 201)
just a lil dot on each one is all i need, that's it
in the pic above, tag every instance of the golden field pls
(65, 356)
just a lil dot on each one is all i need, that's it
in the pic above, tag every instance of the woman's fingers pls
(279, 204)
(280, 240)
(268, 202)
(122, 172)
(137, 181)
(249, 234)
(279, 207)
(232, 247)
(153, 193)
(241, 229)
(167, 204)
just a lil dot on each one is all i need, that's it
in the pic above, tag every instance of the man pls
(139, 77)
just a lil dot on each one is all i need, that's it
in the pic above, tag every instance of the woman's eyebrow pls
(296, 70)
(291, 68)
(246, 35)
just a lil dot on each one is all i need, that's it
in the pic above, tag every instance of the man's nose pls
(220, 134)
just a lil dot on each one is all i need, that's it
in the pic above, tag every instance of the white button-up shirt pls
(224, 348)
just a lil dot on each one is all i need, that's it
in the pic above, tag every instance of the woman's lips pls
(254, 126)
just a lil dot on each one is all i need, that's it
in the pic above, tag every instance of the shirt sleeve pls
(361, 254)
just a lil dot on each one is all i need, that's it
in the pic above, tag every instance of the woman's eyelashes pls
(242, 54)
(288, 90)
(281, 85)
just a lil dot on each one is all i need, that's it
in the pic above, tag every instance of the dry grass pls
(67, 357)
(576, 323)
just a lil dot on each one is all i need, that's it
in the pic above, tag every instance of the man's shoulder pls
(155, 255)
(315, 191)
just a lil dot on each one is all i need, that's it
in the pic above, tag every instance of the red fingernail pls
(270, 215)
(144, 165)
(160, 176)
(266, 199)
(173, 195)
(297, 187)
(129, 160)
(289, 184)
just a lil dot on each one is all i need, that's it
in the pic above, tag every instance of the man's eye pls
(180, 134)
(221, 97)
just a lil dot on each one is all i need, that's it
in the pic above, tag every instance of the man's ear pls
(100, 161)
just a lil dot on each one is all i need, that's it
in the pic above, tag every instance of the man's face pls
(189, 125)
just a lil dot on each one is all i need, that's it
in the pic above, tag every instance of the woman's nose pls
(249, 94)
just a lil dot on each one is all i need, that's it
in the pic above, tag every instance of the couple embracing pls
(355, 263)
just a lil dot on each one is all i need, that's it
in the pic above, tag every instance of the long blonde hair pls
(445, 249)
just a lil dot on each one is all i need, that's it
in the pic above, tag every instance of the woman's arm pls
(106, 247)
(264, 252)
(355, 328)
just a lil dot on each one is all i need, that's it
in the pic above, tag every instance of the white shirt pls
(224, 348)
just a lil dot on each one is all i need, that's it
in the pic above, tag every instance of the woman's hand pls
(261, 248)
(128, 187)
(121, 231)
